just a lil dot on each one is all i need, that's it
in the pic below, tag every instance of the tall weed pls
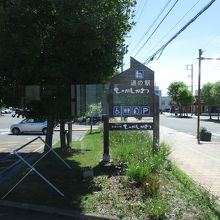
(134, 149)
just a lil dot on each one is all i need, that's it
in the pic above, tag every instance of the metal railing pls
(33, 169)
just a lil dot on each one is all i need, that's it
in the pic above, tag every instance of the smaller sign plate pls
(131, 126)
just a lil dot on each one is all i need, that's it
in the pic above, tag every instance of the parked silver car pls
(29, 126)
(6, 111)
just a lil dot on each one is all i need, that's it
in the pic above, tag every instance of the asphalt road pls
(189, 125)
(9, 142)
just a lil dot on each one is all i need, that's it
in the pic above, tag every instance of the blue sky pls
(203, 33)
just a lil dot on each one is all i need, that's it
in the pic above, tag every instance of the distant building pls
(157, 91)
(165, 103)
(90, 94)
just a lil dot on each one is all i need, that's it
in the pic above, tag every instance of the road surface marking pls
(3, 149)
(8, 142)
(216, 134)
(6, 132)
(37, 149)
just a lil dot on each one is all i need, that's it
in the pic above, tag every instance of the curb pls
(54, 211)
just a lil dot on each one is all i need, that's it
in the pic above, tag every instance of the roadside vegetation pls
(1, 105)
(210, 95)
(136, 184)
(182, 97)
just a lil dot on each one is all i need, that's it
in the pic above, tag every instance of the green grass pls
(88, 152)
(136, 185)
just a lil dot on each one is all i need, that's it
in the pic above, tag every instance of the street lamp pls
(199, 96)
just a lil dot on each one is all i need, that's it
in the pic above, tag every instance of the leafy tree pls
(55, 43)
(173, 89)
(2, 105)
(215, 93)
(184, 98)
(207, 96)
(94, 109)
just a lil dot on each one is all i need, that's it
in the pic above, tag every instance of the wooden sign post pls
(106, 155)
(131, 95)
(156, 121)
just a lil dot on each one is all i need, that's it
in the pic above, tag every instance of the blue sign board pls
(117, 111)
(131, 111)
(136, 110)
(145, 110)
(126, 110)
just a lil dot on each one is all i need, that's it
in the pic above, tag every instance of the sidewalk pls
(199, 161)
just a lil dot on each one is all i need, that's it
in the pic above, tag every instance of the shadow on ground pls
(211, 120)
(34, 190)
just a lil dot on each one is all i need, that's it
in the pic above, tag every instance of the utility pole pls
(190, 67)
(199, 98)
(122, 64)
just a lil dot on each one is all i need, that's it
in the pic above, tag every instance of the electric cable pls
(152, 24)
(136, 22)
(160, 13)
(177, 22)
(139, 5)
(151, 58)
(157, 27)
(146, 1)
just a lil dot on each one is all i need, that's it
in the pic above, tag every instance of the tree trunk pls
(62, 135)
(91, 121)
(49, 136)
(210, 112)
(180, 110)
(218, 114)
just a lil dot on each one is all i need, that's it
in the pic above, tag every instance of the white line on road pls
(6, 132)
(216, 134)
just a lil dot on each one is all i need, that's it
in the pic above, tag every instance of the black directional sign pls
(131, 92)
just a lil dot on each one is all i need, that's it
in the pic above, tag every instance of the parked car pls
(87, 119)
(21, 112)
(95, 118)
(29, 126)
(6, 111)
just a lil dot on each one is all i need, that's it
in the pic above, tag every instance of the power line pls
(142, 10)
(157, 27)
(149, 28)
(139, 5)
(178, 22)
(160, 13)
(178, 33)
(138, 17)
